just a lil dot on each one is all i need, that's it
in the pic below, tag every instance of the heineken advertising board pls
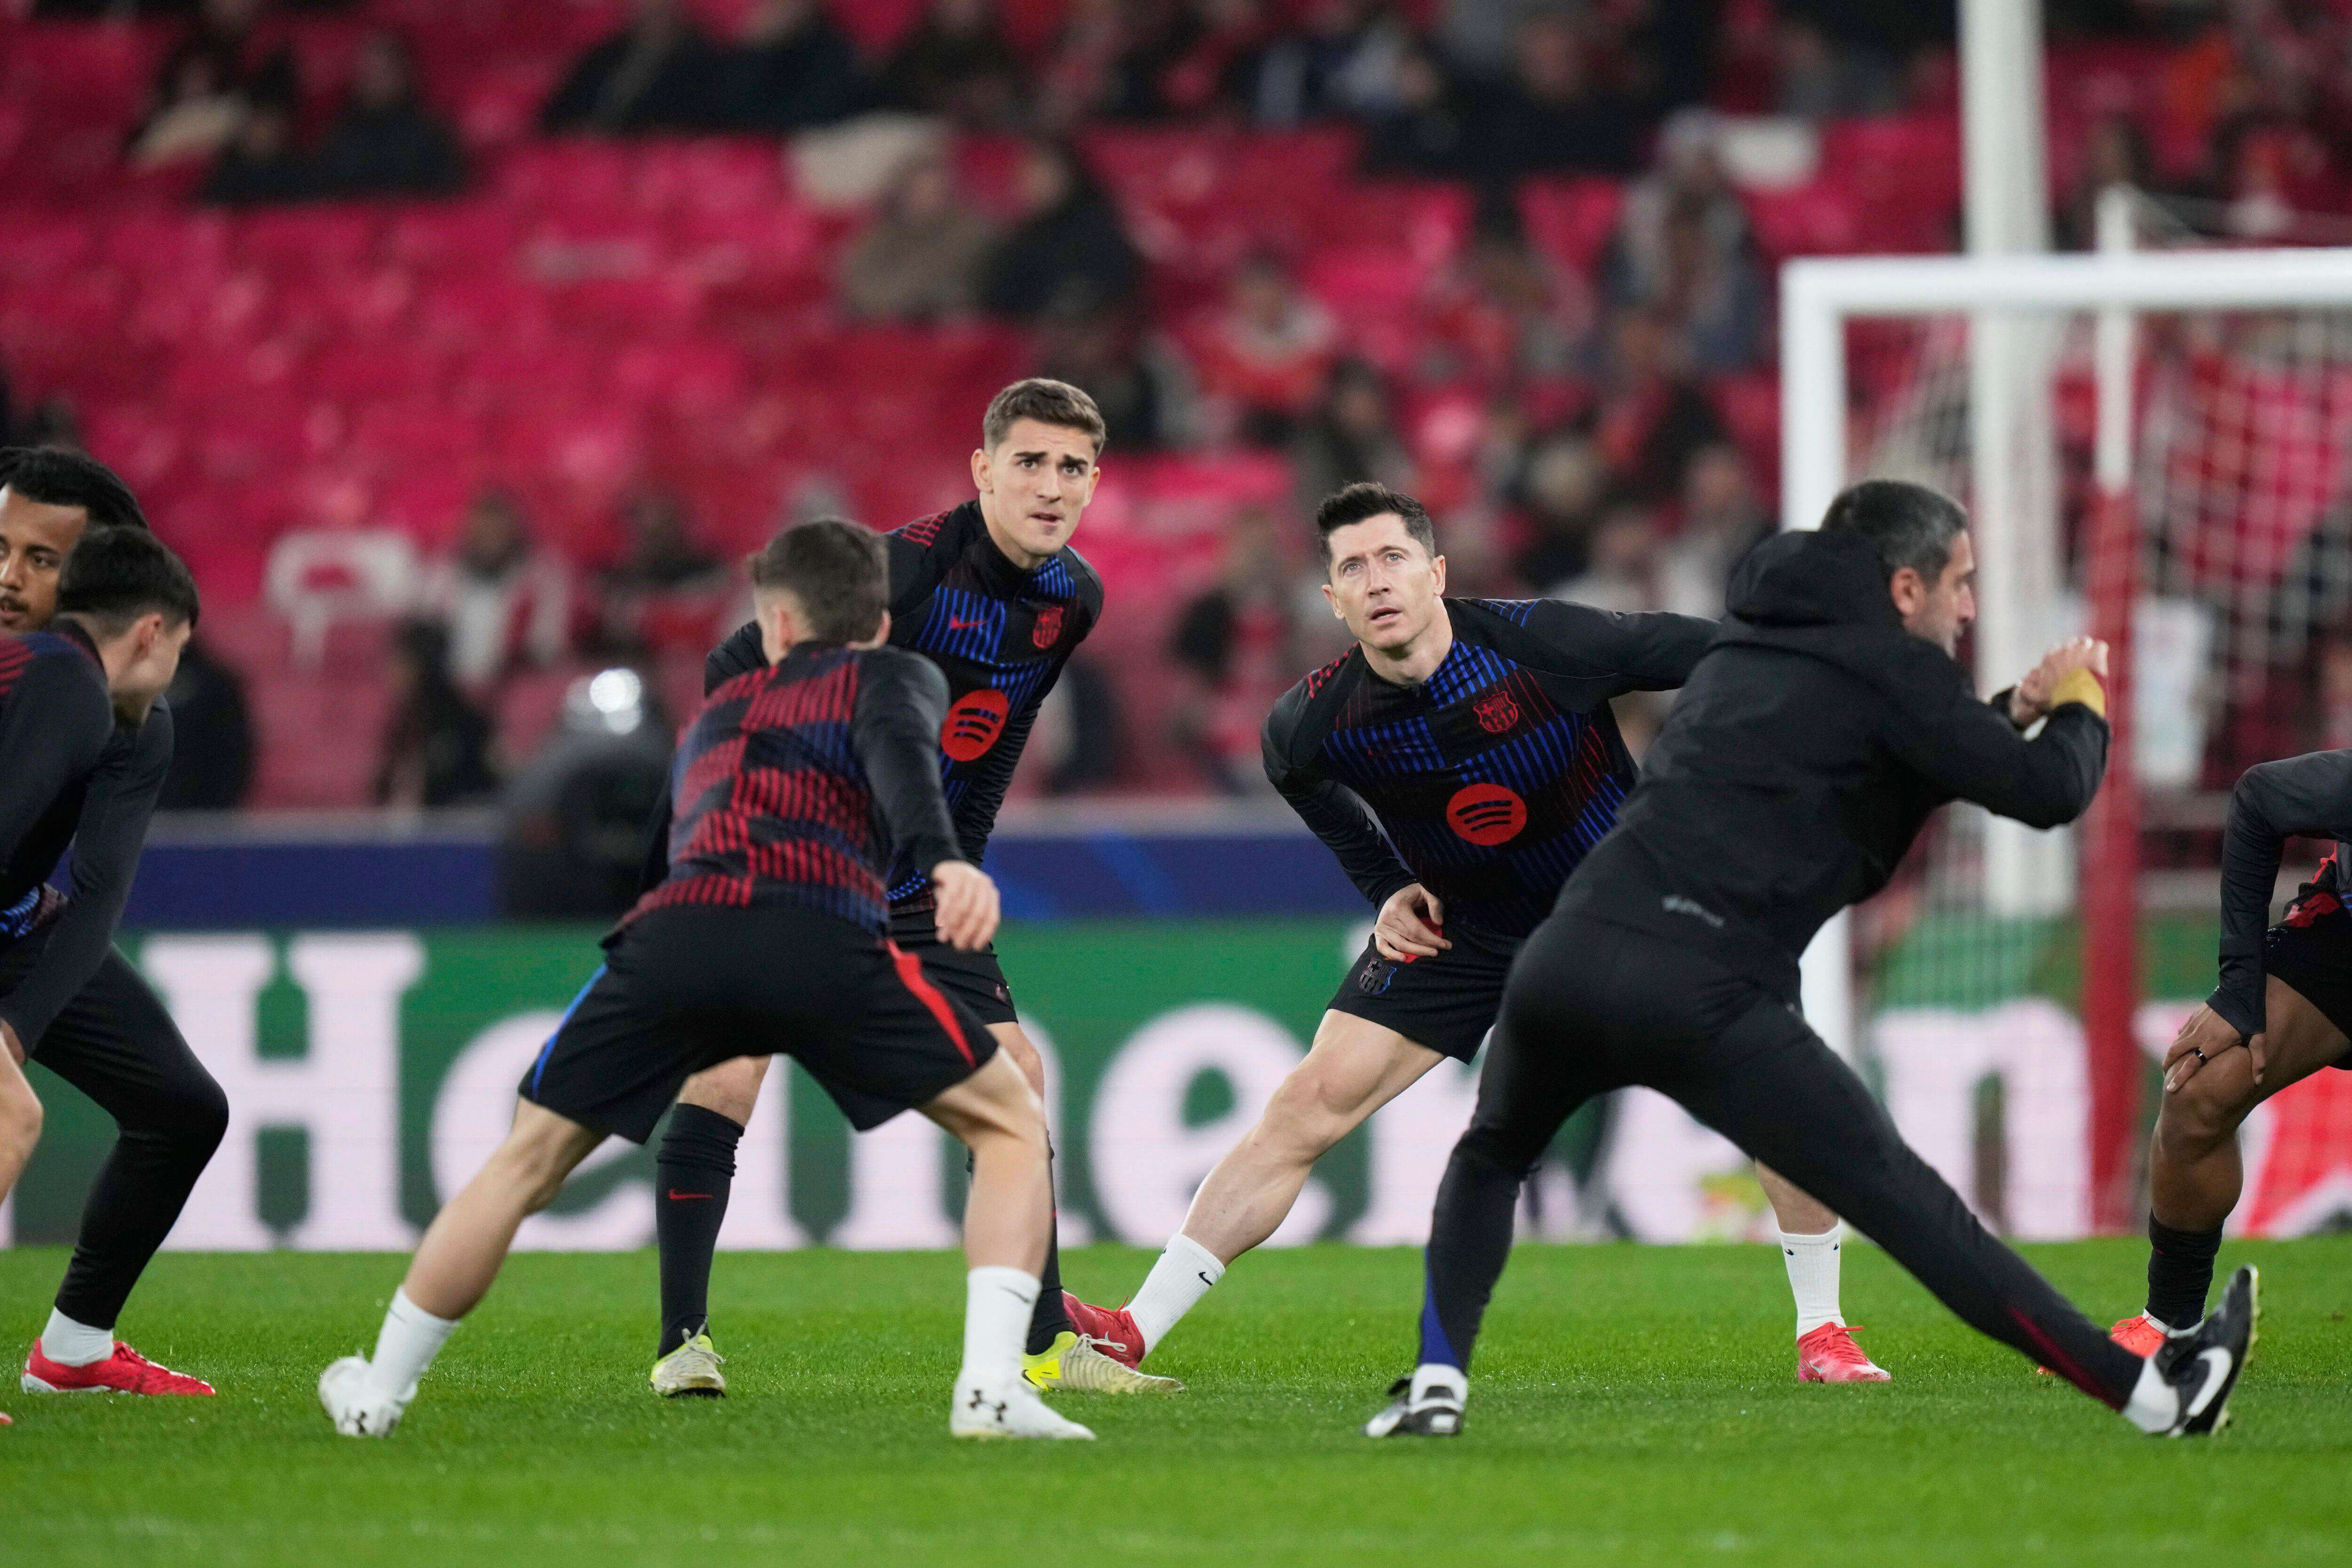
(369, 1073)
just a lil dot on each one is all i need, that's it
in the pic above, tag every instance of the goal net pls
(2156, 447)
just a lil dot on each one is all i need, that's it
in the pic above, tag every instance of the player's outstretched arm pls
(2306, 795)
(1334, 813)
(902, 700)
(1974, 751)
(1651, 650)
(108, 838)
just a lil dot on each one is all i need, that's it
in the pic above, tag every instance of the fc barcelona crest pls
(1496, 712)
(1048, 629)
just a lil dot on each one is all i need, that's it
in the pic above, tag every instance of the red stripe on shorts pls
(910, 973)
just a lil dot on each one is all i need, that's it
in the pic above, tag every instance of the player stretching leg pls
(1476, 736)
(77, 1004)
(2282, 1012)
(794, 788)
(993, 595)
(74, 701)
(1826, 722)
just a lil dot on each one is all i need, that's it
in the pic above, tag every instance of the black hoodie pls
(1808, 747)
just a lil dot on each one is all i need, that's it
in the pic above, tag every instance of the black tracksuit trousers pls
(1594, 1007)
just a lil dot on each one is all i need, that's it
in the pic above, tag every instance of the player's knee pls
(2203, 1113)
(1305, 1115)
(199, 1118)
(1489, 1150)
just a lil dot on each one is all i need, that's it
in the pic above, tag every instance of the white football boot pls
(353, 1404)
(1012, 1410)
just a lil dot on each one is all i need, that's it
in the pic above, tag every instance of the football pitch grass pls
(1632, 1405)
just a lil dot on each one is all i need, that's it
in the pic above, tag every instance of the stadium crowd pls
(1513, 257)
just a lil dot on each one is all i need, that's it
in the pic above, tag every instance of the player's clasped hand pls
(2205, 1034)
(2031, 700)
(965, 905)
(1411, 925)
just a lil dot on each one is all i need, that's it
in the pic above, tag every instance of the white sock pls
(410, 1339)
(1175, 1285)
(998, 1302)
(69, 1344)
(1432, 1376)
(1812, 1263)
(2154, 1405)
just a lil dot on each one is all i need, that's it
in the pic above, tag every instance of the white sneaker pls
(355, 1408)
(691, 1370)
(1011, 1411)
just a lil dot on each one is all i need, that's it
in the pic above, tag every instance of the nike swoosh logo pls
(1202, 1275)
(957, 626)
(678, 1198)
(2217, 1361)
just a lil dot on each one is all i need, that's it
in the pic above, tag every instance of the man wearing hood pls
(1811, 743)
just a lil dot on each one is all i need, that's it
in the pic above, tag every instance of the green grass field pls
(1632, 1405)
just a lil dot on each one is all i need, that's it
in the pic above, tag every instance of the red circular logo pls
(1486, 813)
(973, 723)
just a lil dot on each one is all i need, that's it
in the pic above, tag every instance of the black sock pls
(1051, 1319)
(692, 1176)
(2179, 1272)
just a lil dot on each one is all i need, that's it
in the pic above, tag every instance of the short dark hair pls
(115, 575)
(1047, 401)
(1909, 524)
(55, 477)
(1354, 503)
(836, 572)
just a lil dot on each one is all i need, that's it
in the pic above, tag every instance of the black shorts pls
(1446, 1003)
(688, 987)
(973, 978)
(2314, 961)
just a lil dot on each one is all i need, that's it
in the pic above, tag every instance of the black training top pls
(1000, 635)
(1492, 778)
(71, 775)
(2308, 796)
(799, 782)
(1804, 754)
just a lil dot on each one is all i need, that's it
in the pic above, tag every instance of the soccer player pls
(1815, 736)
(794, 789)
(2282, 1012)
(69, 1000)
(1476, 736)
(992, 594)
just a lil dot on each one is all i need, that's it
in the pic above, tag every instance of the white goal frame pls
(1820, 295)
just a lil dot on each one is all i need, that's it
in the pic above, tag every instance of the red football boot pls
(1113, 1333)
(1829, 1354)
(2139, 1333)
(124, 1372)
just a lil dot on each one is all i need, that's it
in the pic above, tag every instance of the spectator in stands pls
(920, 258)
(436, 744)
(1825, 78)
(956, 64)
(1077, 736)
(661, 72)
(212, 735)
(1352, 436)
(1684, 250)
(1066, 251)
(1502, 314)
(1561, 500)
(1554, 113)
(796, 68)
(666, 591)
(1622, 569)
(194, 115)
(1723, 518)
(1264, 358)
(385, 142)
(249, 57)
(260, 164)
(504, 603)
(1342, 64)
(2115, 152)
(1424, 130)
(1232, 643)
(1654, 414)
(573, 837)
(1142, 385)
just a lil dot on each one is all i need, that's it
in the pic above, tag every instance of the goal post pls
(2093, 305)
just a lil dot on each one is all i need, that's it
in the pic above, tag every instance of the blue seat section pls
(189, 882)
